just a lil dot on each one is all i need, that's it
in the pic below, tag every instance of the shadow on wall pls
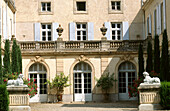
(127, 51)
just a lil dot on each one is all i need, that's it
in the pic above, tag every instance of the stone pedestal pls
(149, 96)
(59, 39)
(18, 98)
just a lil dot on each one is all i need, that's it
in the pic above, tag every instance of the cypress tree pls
(164, 72)
(6, 59)
(14, 56)
(149, 65)
(19, 59)
(156, 55)
(140, 60)
(1, 75)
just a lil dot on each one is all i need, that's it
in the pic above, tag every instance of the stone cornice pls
(146, 4)
(11, 5)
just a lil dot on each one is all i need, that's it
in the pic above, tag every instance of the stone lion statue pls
(18, 82)
(149, 80)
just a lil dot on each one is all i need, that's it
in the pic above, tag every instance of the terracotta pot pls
(59, 97)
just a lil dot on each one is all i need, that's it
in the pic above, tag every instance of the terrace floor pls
(90, 106)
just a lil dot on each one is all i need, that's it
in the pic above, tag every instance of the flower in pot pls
(59, 83)
(106, 82)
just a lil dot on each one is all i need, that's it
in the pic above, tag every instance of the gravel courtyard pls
(76, 106)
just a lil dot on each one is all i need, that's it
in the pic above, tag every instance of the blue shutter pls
(157, 20)
(4, 24)
(55, 33)
(72, 28)
(125, 31)
(37, 31)
(90, 30)
(107, 25)
(164, 13)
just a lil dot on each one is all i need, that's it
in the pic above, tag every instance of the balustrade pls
(79, 45)
(18, 100)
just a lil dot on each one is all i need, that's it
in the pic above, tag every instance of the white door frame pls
(125, 96)
(38, 71)
(82, 96)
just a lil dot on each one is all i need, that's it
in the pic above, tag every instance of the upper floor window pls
(81, 31)
(116, 5)
(116, 31)
(81, 6)
(46, 32)
(46, 6)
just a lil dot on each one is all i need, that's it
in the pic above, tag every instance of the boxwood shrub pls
(4, 98)
(165, 95)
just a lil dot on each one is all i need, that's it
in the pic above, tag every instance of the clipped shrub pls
(165, 95)
(4, 101)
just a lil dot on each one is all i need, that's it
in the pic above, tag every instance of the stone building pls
(81, 52)
(7, 18)
(157, 17)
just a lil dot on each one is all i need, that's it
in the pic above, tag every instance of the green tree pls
(156, 55)
(164, 72)
(19, 59)
(6, 59)
(149, 63)
(1, 75)
(4, 98)
(140, 60)
(14, 56)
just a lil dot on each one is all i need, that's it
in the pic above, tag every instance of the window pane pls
(118, 25)
(49, 26)
(43, 27)
(84, 38)
(81, 6)
(113, 25)
(84, 32)
(84, 26)
(78, 32)
(78, 38)
(78, 26)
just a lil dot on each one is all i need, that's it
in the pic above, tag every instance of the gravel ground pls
(76, 106)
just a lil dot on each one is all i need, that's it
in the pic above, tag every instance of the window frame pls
(75, 10)
(81, 31)
(41, 12)
(46, 30)
(116, 29)
(46, 6)
(111, 11)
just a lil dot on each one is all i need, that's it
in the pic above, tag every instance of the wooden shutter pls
(125, 30)
(37, 31)
(72, 30)
(55, 33)
(90, 31)
(108, 26)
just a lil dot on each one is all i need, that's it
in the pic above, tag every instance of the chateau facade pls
(82, 52)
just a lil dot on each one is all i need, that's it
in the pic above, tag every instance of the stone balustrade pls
(149, 98)
(63, 46)
(19, 100)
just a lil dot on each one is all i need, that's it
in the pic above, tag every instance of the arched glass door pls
(127, 74)
(38, 72)
(82, 82)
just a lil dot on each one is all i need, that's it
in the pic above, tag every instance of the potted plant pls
(106, 82)
(58, 84)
